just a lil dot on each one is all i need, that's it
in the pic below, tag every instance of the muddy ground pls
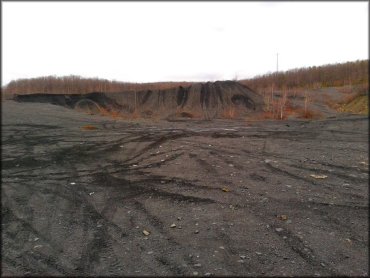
(239, 193)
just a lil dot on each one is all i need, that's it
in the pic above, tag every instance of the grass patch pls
(356, 105)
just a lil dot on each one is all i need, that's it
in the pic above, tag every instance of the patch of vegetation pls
(358, 105)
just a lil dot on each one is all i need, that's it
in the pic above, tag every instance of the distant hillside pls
(220, 99)
(78, 85)
(332, 75)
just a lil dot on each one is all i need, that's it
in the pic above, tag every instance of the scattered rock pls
(197, 265)
(243, 257)
(240, 261)
(259, 253)
(150, 252)
(207, 274)
(173, 225)
(179, 218)
(91, 193)
(221, 247)
(196, 232)
(73, 183)
(279, 230)
(145, 232)
(225, 189)
(37, 246)
(195, 273)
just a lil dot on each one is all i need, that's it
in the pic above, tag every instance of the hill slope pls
(221, 99)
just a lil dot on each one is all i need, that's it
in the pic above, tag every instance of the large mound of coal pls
(221, 99)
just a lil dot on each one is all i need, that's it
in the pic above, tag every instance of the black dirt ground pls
(241, 194)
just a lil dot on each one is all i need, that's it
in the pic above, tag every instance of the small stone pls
(145, 232)
(150, 252)
(322, 264)
(221, 247)
(173, 225)
(196, 232)
(179, 218)
(36, 239)
(318, 176)
(73, 183)
(195, 273)
(279, 229)
(37, 246)
(240, 261)
(91, 193)
(258, 253)
(283, 217)
(243, 257)
(197, 265)
(207, 274)
(224, 189)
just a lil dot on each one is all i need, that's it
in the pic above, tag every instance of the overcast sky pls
(178, 41)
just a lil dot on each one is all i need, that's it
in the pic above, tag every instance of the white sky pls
(178, 41)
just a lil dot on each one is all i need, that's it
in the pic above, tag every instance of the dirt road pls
(216, 197)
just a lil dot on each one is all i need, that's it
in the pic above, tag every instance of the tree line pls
(350, 73)
(331, 75)
(78, 85)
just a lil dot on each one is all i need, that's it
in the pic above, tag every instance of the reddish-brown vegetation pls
(89, 127)
(332, 75)
(79, 85)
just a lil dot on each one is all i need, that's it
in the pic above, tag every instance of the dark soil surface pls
(221, 197)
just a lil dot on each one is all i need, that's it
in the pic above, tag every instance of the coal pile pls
(221, 99)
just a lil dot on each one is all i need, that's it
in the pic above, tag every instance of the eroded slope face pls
(221, 99)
